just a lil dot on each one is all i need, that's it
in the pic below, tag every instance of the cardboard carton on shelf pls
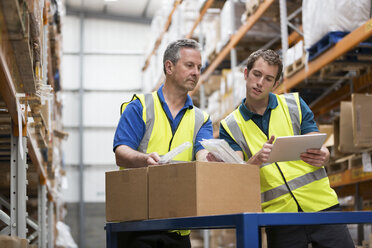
(346, 144)
(203, 188)
(126, 195)
(362, 120)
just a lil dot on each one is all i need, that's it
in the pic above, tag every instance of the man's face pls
(186, 71)
(260, 80)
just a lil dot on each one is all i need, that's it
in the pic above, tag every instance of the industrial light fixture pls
(110, 0)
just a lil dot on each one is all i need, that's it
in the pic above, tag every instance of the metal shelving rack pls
(19, 146)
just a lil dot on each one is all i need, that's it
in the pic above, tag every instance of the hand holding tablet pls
(289, 148)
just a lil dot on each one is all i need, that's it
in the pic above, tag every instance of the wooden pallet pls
(251, 7)
(346, 163)
(296, 66)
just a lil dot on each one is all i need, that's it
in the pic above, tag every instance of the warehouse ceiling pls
(127, 10)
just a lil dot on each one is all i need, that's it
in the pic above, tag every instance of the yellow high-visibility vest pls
(283, 184)
(159, 137)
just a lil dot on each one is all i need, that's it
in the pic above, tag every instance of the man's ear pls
(168, 66)
(245, 73)
(276, 84)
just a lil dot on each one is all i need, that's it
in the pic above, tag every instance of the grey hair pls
(172, 53)
(269, 56)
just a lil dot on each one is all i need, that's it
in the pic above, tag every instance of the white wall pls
(112, 62)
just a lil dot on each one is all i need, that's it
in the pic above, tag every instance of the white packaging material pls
(229, 22)
(289, 57)
(64, 238)
(320, 17)
(211, 29)
(221, 150)
(298, 50)
(166, 158)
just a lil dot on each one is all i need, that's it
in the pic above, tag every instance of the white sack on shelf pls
(320, 17)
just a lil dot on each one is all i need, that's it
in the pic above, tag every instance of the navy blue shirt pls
(131, 127)
(262, 121)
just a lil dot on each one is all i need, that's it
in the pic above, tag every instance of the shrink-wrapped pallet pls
(320, 17)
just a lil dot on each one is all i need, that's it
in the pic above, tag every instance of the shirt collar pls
(247, 114)
(188, 103)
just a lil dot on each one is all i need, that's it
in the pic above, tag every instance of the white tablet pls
(289, 148)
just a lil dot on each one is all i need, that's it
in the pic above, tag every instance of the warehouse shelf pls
(234, 40)
(204, 9)
(159, 39)
(8, 91)
(18, 29)
(350, 176)
(359, 84)
(348, 42)
(25, 136)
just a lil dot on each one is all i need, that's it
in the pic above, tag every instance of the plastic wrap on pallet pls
(230, 23)
(290, 56)
(320, 17)
(211, 30)
(189, 12)
(299, 50)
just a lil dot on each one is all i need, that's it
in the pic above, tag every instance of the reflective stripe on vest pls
(150, 117)
(293, 112)
(293, 184)
(148, 105)
(237, 134)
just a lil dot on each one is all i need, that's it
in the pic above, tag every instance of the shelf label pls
(335, 179)
(359, 173)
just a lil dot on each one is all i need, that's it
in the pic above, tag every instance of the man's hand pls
(262, 155)
(316, 157)
(211, 158)
(152, 158)
(130, 158)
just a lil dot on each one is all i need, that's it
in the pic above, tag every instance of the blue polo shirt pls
(131, 127)
(262, 121)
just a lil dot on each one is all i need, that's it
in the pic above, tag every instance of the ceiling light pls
(110, 0)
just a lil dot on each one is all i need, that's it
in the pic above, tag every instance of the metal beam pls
(102, 90)
(116, 53)
(18, 182)
(105, 16)
(144, 12)
(4, 217)
(234, 40)
(42, 209)
(81, 136)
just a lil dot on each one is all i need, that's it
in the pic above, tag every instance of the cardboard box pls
(127, 195)
(203, 188)
(328, 129)
(9, 242)
(346, 144)
(362, 119)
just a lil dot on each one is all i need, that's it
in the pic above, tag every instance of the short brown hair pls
(269, 56)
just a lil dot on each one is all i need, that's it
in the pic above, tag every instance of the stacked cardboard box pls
(182, 190)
